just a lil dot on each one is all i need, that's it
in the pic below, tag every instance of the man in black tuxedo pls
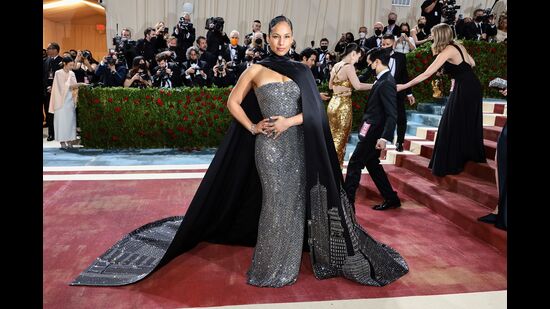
(234, 52)
(375, 131)
(392, 27)
(480, 29)
(398, 69)
(376, 39)
(51, 64)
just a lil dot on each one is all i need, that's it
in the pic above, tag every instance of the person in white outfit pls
(63, 103)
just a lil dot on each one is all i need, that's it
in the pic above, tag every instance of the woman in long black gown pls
(274, 177)
(460, 133)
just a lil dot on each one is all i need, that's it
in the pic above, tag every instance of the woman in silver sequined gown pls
(280, 164)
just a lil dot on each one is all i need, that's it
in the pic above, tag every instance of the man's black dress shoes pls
(387, 205)
(399, 147)
(50, 138)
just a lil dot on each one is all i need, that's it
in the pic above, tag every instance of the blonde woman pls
(339, 111)
(460, 133)
(418, 32)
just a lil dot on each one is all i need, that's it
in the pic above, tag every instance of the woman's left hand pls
(278, 125)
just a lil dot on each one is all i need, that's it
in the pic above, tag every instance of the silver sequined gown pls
(280, 164)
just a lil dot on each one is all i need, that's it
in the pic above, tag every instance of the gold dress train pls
(339, 112)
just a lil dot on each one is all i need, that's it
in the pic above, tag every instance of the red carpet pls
(84, 218)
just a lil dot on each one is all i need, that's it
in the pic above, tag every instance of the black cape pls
(226, 207)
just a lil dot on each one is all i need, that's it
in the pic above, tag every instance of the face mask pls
(405, 32)
(378, 32)
(420, 26)
(248, 58)
(349, 40)
(234, 41)
(258, 41)
(479, 19)
(391, 21)
(143, 66)
(362, 35)
(372, 71)
(324, 47)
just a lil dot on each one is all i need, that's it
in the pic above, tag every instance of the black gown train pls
(227, 205)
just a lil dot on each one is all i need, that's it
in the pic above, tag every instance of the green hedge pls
(490, 61)
(185, 118)
(191, 118)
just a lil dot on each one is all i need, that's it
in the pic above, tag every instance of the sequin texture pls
(281, 167)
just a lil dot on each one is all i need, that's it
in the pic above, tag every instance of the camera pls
(86, 54)
(197, 68)
(449, 11)
(214, 24)
(184, 25)
(162, 74)
(109, 60)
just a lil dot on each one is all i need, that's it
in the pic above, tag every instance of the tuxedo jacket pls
(396, 31)
(50, 65)
(371, 42)
(401, 75)
(471, 30)
(240, 54)
(381, 108)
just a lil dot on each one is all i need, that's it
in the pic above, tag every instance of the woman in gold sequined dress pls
(342, 80)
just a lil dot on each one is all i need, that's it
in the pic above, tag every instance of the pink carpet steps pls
(84, 218)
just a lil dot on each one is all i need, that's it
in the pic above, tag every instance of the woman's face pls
(69, 65)
(355, 56)
(280, 39)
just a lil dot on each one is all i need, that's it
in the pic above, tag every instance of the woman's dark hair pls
(277, 20)
(65, 60)
(405, 24)
(350, 35)
(308, 52)
(349, 48)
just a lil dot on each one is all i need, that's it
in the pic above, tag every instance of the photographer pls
(193, 71)
(139, 76)
(111, 72)
(161, 33)
(482, 27)
(204, 54)
(85, 67)
(166, 72)
(256, 27)
(292, 53)
(125, 47)
(185, 32)
(345, 39)
(260, 48)
(176, 53)
(222, 76)
(146, 47)
(432, 10)
(318, 69)
(216, 39)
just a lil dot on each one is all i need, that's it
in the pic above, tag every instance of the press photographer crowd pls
(169, 59)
